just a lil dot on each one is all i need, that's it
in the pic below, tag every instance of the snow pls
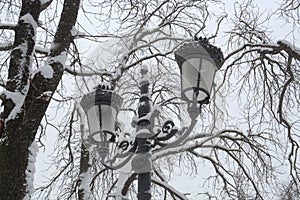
(85, 184)
(30, 171)
(41, 49)
(7, 25)
(166, 185)
(44, 1)
(290, 45)
(29, 19)
(46, 71)
(76, 33)
(60, 58)
(123, 177)
(124, 173)
(18, 99)
(46, 95)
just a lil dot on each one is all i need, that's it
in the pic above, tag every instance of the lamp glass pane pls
(191, 78)
(109, 116)
(207, 72)
(94, 123)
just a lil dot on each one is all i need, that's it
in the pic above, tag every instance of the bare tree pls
(28, 92)
(42, 45)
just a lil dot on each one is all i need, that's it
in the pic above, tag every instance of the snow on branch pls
(292, 49)
(46, 70)
(27, 18)
(86, 72)
(8, 26)
(17, 98)
(198, 141)
(6, 46)
(169, 188)
(76, 33)
(281, 45)
(41, 50)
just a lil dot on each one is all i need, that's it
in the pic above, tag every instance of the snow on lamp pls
(198, 61)
(101, 108)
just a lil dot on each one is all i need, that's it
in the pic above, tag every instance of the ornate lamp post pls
(198, 61)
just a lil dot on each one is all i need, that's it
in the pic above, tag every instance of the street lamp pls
(198, 61)
(101, 108)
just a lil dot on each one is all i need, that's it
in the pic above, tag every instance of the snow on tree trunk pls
(20, 130)
(84, 177)
(33, 150)
(17, 135)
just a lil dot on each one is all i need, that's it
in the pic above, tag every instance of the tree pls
(27, 92)
(42, 45)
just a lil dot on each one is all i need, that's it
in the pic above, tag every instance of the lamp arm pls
(114, 164)
(183, 136)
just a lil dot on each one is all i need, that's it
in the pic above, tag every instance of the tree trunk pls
(20, 130)
(17, 138)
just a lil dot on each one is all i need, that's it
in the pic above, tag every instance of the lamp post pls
(198, 61)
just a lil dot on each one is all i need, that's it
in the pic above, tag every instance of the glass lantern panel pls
(190, 77)
(207, 72)
(93, 120)
(197, 74)
(109, 117)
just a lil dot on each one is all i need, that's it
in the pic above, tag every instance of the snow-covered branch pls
(8, 26)
(169, 188)
(6, 46)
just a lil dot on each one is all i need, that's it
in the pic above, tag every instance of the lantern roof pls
(192, 49)
(102, 96)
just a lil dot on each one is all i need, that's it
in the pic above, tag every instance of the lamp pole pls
(141, 163)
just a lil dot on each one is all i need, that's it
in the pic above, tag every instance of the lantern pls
(198, 61)
(101, 108)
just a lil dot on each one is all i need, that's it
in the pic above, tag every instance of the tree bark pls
(20, 130)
